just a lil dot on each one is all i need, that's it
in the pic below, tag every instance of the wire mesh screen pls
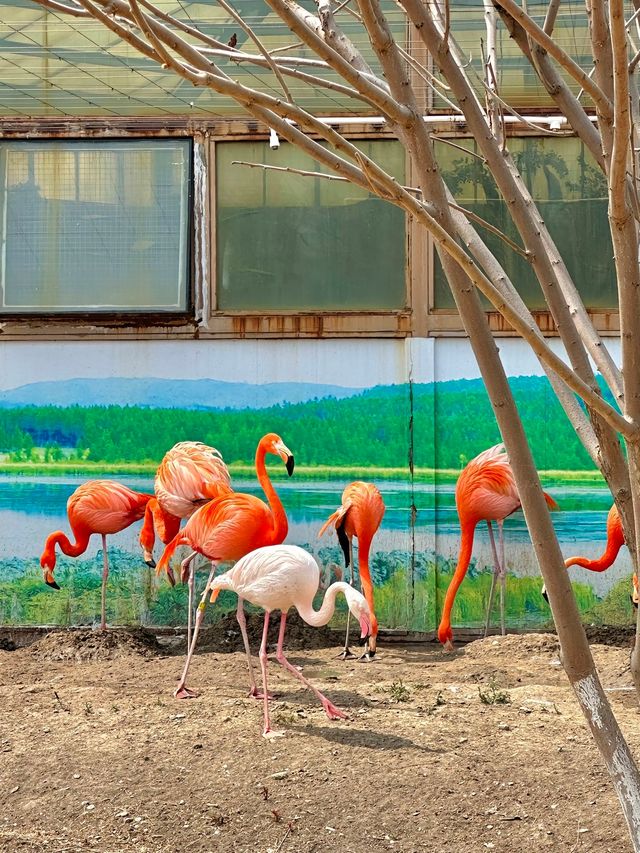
(94, 226)
(288, 241)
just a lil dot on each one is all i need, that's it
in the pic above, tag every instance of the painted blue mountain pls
(168, 393)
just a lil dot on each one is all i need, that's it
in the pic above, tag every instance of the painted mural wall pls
(406, 415)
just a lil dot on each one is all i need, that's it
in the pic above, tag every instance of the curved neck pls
(464, 558)
(280, 523)
(71, 549)
(322, 616)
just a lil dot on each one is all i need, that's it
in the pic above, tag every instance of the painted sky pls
(354, 363)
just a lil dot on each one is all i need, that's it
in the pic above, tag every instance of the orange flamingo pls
(485, 491)
(359, 515)
(279, 577)
(190, 474)
(615, 541)
(97, 506)
(229, 527)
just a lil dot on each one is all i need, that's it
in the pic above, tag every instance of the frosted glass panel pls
(292, 242)
(571, 193)
(94, 226)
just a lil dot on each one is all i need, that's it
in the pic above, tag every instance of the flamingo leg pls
(496, 572)
(346, 653)
(330, 709)
(503, 577)
(188, 565)
(105, 575)
(268, 731)
(182, 691)
(242, 622)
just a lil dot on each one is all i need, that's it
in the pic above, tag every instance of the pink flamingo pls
(279, 577)
(229, 527)
(97, 506)
(485, 491)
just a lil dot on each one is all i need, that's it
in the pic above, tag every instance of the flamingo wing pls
(105, 506)
(189, 473)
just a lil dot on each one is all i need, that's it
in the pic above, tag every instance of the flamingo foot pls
(254, 693)
(332, 712)
(448, 646)
(269, 734)
(345, 654)
(368, 656)
(184, 692)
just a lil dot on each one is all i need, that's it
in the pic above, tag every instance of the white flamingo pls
(278, 577)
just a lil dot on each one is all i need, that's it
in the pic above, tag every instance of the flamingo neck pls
(320, 617)
(464, 558)
(71, 549)
(280, 523)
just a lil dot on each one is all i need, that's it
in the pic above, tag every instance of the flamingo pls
(190, 474)
(278, 577)
(615, 541)
(229, 527)
(485, 491)
(97, 506)
(359, 515)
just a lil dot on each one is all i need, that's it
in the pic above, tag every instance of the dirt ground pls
(481, 749)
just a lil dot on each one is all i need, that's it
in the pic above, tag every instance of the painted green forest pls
(374, 428)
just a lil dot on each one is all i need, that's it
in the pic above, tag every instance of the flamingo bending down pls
(279, 577)
(190, 474)
(359, 515)
(97, 506)
(615, 541)
(485, 491)
(229, 527)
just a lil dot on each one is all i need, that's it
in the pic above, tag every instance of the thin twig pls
(474, 216)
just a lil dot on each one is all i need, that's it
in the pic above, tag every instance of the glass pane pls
(293, 242)
(571, 193)
(94, 226)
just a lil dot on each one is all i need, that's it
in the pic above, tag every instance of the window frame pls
(118, 316)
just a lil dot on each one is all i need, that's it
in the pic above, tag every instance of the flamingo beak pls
(48, 579)
(543, 592)
(286, 455)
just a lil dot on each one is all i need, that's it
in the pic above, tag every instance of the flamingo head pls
(445, 635)
(48, 563)
(272, 443)
(360, 609)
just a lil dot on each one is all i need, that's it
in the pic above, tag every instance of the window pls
(287, 242)
(94, 226)
(571, 193)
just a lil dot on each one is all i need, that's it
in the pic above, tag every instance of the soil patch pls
(224, 634)
(97, 755)
(87, 645)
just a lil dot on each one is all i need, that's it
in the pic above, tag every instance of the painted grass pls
(135, 596)
(302, 472)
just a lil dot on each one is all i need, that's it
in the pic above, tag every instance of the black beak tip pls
(362, 641)
(290, 465)
(545, 596)
(52, 584)
(635, 603)
(151, 563)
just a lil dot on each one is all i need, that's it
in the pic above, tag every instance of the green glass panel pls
(94, 226)
(292, 242)
(571, 193)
